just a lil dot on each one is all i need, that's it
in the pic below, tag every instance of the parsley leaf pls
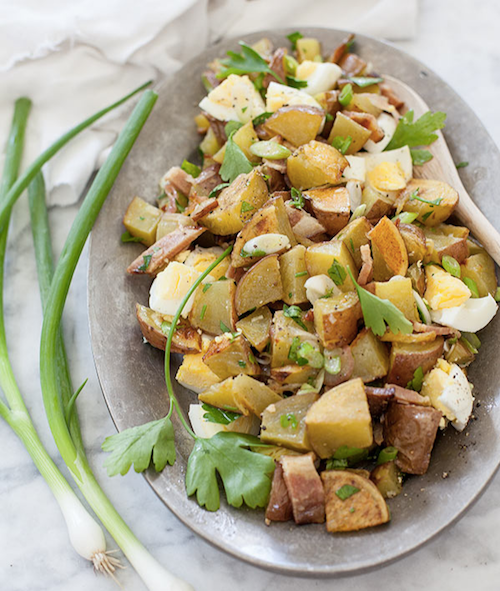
(417, 133)
(232, 126)
(127, 237)
(245, 206)
(416, 382)
(378, 313)
(147, 259)
(295, 313)
(295, 82)
(346, 491)
(191, 169)
(215, 190)
(219, 415)
(293, 38)
(341, 143)
(298, 200)
(245, 62)
(246, 475)
(462, 164)
(138, 445)
(420, 157)
(337, 273)
(261, 118)
(235, 162)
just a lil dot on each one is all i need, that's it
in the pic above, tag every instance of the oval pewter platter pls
(131, 373)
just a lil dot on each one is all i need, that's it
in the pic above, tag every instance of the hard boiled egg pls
(170, 287)
(387, 176)
(356, 169)
(388, 125)
(235, 99)
(471, 316)
(279, 95)
(320, 76)
(443, 290)
(401, 156)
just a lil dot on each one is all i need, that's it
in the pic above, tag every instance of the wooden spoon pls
(442, 167)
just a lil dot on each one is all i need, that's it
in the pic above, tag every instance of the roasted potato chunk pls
(283, 332)
(331, 207)
(244, 137)
(293, 374)
(294, 275)
(377, 204)
(170, 222)
(305, 488)
(230, 215)
(448, 240)
(320, 258)
(298, 124)
(399, 293)
(459, 353)
(415, 242)
(354, 236)
(279, 507)
(364, 507)
(481, 269)
(315, 164)
(253, 396)
(272, 218)
(141, 220)
(340, 417)
(344, 126)
(289, 431)
(405, 358)
(445, 200)
(256, 327)
(388, 479)
(193, 374)
(213, 307)
(221, 395)
(336, 319)
(308, 48)
(389, 251)
(260, 285)
(230, 355)
(371, 358)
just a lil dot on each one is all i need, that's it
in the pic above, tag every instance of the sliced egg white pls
(388, 125)
(456, 399)
(471, 316)
(320, 76)
(355, 193)
(170, 287)
(279, 95)
(401, 156)
(235, 99)
(356, 169)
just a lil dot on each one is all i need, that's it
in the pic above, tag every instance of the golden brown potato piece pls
(405, 358)
(368, 102)
(305, 488)
(141, 220)
(308, 48)
(289, 431)
(415, 337)
(213, 307)
(481, 269)
(388, 479)
(170, 222)
(256, 327)
(221, 395)
(155, 328)
(320, 258)
(298, 124)
(294, 275)
(304, 225)
(415, 242)
(193, 374)
(460, 354)
(431, 214)
(231, 213)
(445, 239)
(340, 417)
(244, 137)
(371, 358)
(389, 251)
(230, 355)
(331, 207)
(315, 164)
(293, 374)
(377, 204)
(260, 285)
(253, 396)
(412, 430)
(283, 331)
(272, 218)
(364, 508)
(344, 126)
(399, 293)
(336, 319)
(354, 236)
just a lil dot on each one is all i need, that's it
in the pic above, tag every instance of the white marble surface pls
(459, 40)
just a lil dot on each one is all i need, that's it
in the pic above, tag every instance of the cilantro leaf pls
(295, 313)
(235, 162)
(127, 237)
(417, 133)
(245, 62)
(138, 445)
(342, 143)
(378, 313)
(337, 273)
(296, 82)
(416, 382)
(219, 415)
(191, 168)
(420, 157)
(293, 38)
(246, 475)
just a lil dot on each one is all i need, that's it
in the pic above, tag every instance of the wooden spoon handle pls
(479, 225)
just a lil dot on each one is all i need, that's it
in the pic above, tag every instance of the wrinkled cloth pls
(74, 58)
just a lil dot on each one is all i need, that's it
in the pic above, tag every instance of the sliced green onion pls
(333, 363)
(497, 295)
(291, 65)
(451, 265)
(472, 285)
(270, 150)
(346, 94)
(473, 339)
(358, 212)
(406, 217)
(388, 454)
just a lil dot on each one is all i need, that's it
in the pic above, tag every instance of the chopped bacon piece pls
(305, 488)
(205, 182)
(168, 202)
(341, 50)
(218, 127)
(277, 66)
(279, 507)
(303, 224)
(352, 64)
(203, 209)
(179, 178)
(391, 96)
(156, 257)
(366, 273)
(378, 399)
(439, 330)
(368, 121)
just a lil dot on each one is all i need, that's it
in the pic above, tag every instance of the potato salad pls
(329, 346)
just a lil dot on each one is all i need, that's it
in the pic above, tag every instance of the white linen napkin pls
(74, 58)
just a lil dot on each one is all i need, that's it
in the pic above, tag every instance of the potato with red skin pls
(389, 251)
(315, 164)
(336, 319)
(185, 340)
(331, 207)
(304, 488)
(406, 358)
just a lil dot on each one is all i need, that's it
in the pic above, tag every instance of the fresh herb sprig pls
(235, 162)
(246, 62)
(417, 133)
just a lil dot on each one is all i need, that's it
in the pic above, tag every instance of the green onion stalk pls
(152, 573)
(86, 536)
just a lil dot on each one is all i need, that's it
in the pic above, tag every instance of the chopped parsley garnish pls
(190, 168)
(451, 265)
(206, 287)
(219, 415)
(346, 491)
(216, 189)
(462, 164)
(346, 94)
(298, 200)
(432, 203)
(242, 363)
(245, 206)
(289, 420)
(293, 353)
(223, 327)
(417, 133)
(420, 157)
(301, 274)
(127, 237)
(416, 382)
(147, 259)
(379, 313)
(261, 118)
(232, 126)
(364, 81)
(472, 285)
(203, 310)
(426, 215)
(342, 144)
(337, 273)
(293, 38)
(388, 454)
(295, 313)
(235, 162)
(244, 63)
